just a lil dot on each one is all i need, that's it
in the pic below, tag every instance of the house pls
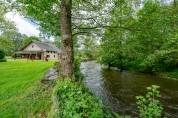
(39, 50)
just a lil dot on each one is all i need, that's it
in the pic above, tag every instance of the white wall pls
(32, 47)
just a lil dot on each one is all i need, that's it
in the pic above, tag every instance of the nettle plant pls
(149, 106)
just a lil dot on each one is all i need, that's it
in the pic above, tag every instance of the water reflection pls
(118, 89)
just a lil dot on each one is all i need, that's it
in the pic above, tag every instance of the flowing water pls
(118, 89)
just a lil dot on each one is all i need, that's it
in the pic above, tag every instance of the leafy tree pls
(6, 28)
(27, 40)
(5, 25)
(149, 41)
(88, 48)
(112, 49)
(16, 39)
(57, 41)
(158, 32)
(5, 44)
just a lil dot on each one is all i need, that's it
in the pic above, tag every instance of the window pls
(54, 56)
(32, 46)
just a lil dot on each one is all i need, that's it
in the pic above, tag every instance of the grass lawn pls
(22, 94)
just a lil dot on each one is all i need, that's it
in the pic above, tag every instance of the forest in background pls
(148, 41)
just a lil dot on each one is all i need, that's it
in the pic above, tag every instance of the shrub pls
(149, 106)
(164, 60)
(148, 64)
(2, 56)
(72, 100)
(77, 71)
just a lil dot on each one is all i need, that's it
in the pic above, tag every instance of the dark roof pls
(46, 46)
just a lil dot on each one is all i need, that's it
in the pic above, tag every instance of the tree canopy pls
(150, 46)
(10, 39)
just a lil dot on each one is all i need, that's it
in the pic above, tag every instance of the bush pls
(2, 54)
(149, 106)
(164, 60)
(77, 71)
(72, 100)
(3, 60)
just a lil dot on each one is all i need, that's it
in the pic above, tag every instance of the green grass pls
(22, 94)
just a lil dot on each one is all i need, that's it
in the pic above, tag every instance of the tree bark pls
(66, 43)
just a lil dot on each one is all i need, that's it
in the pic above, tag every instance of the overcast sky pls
(23, 25)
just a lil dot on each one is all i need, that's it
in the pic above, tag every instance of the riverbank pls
(169, 75)
(72, 99)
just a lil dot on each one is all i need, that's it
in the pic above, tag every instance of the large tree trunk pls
(67, 43)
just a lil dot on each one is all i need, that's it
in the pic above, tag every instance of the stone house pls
(40, 51)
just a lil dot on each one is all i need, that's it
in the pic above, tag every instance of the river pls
(118, 89)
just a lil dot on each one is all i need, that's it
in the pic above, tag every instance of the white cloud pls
(22, 24)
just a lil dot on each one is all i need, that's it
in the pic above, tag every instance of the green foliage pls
(6, 29)
(5, 44)
(113, 48)
(2, 54)
(171, 74)
(57, 41)
(5, 25)
(149, 106)
(27, 40)
(12, 41)
(74, 101)
(77, 72)
(89, 48)
(147, 37)
(164, 60)
(45, 12)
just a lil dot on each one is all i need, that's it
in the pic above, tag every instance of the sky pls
(23, 25)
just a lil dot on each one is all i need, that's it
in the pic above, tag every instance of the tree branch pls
(80, 33)
(107, 26)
